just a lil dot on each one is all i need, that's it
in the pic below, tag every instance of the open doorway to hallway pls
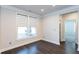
(68, 31)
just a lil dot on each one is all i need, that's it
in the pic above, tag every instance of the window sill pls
(26, 37)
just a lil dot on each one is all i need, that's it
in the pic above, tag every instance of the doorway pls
(68, 31)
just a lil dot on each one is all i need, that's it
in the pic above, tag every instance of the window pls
(26, 27)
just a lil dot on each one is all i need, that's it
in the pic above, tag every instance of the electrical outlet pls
(10, 43)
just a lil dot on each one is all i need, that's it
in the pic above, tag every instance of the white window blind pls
(21, 24)
(21, 21)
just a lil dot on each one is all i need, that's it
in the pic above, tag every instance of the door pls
(70, 30)
(70, 36)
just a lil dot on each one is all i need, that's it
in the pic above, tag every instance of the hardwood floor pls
(43, 47)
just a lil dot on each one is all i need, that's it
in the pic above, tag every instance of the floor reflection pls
(30, 50)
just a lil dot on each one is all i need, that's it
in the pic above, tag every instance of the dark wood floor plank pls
(43, 47)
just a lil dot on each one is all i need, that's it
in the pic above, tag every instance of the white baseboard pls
(5, 49)
(51, 42)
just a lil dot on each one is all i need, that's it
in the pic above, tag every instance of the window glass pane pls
(33, 30)
(22, 32)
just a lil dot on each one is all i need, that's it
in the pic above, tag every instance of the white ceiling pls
(37, 8)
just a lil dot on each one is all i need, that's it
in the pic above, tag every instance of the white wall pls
(51, 29)
(8, 29)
